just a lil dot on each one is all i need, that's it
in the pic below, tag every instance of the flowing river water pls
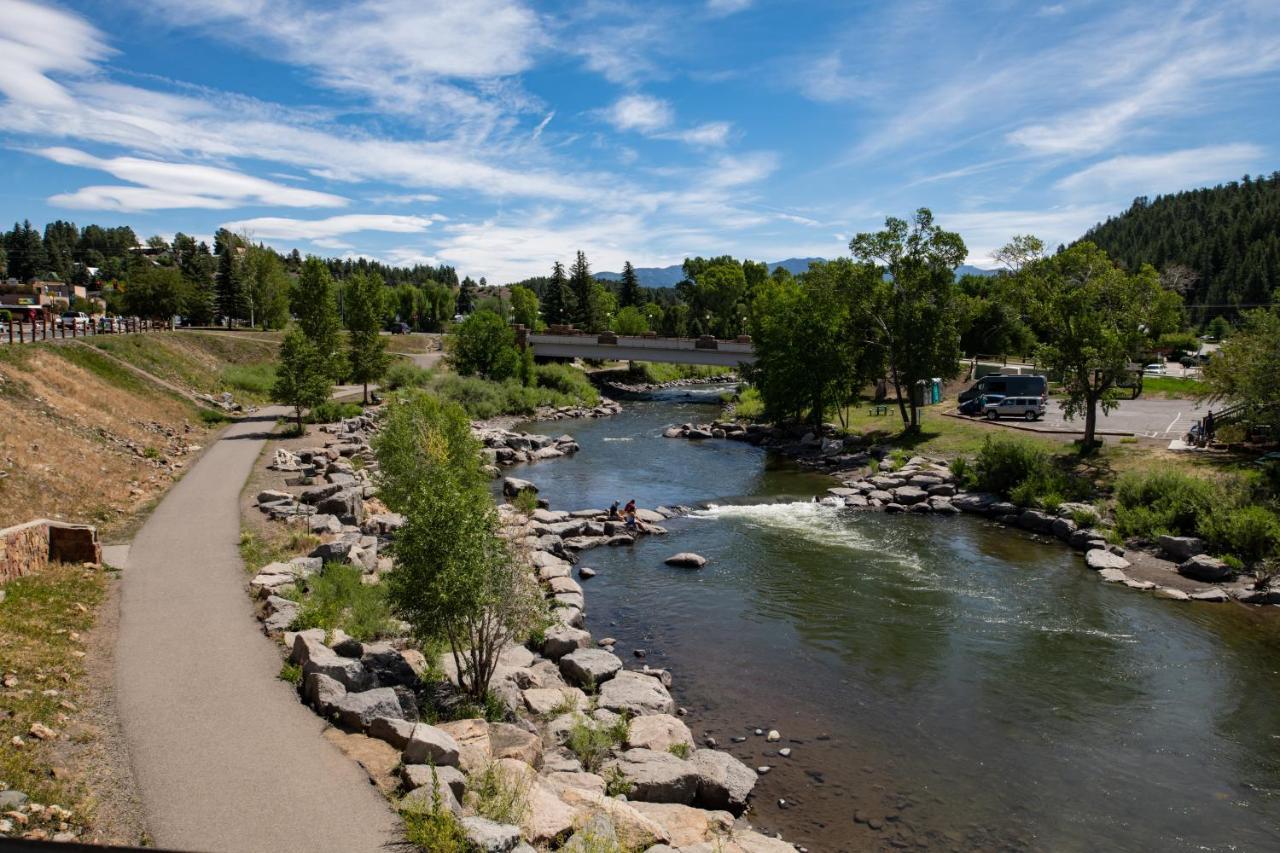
(943, 683)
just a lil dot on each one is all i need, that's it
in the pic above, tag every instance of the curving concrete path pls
(225, 756)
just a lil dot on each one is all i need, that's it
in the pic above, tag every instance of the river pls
(943, 683)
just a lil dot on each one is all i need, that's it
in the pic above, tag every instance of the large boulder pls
(686, 560)
(472, 738)
(908, 495)
(589, 666)
(546, 817)
(1202, 567)
(513, 487)
(357, 710)
(393, 730)
(510, 741)
(687, 825)
(322, 692)
(314, 656)
(658, 732)
(1100, 558)
(657, 777)
(424, 798)
(487, 836)
(1036, 521)
(417, 775)
(548, 700)
(430, 745)
(563, 639)
(634, 830)
(636, 694)
(724, 782)
(1181, 548)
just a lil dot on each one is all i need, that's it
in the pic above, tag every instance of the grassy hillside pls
(201, 362)
(87, 439)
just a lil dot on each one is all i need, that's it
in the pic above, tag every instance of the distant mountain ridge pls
(672, 275)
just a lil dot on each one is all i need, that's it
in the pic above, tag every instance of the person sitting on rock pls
(613, 511)
(629, 513)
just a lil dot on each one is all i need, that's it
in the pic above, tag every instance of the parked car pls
(399, 328)
(1028, 408)
(1007, 385)
(76, 319)
(1155, 370)
(977, 405)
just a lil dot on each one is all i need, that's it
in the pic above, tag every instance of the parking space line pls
(1172, 422)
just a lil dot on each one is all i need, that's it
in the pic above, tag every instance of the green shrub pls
(331, 412)
(962, 468)
(680, 750)
(434, 827)
(526, 502)
(1084, 517)
(338, 599)
(1163, 502)
(483, 398)
(493, 795)
(291, 673)
(213, 417)
(568, 380)
(1004, 464)
(405, 374)
(1250, 532)
(616, 784)
(750, 406)
(591, 740)
(5, 316)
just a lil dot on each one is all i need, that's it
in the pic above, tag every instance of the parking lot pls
(1148, 418)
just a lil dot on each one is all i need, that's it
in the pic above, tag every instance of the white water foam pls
(827, 523)
(618, 438)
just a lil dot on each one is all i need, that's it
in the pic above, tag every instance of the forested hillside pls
(1219, 246)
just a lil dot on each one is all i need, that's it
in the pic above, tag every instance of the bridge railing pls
(639, 341)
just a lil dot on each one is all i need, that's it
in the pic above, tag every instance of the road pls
(1149, 418)
(225, 756)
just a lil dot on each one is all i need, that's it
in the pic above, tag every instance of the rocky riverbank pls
(596, 752)
(1175, 567)
(649, 387)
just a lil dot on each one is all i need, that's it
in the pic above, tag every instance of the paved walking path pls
(226, 757)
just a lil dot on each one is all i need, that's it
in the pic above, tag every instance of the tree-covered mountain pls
(673, 275)
(1219, 246)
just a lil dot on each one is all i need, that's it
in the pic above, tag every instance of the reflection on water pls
(951, 683)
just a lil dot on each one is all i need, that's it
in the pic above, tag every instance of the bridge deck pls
(634, 348)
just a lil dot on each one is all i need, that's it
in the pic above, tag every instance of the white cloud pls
(284, 228)
(405, 198)
(174, 185)
(640, 113)
(36, 40)
(542, 125)
(727, 7)
(825, 80)
(986, 231)
(712, 134)
(1152, 174)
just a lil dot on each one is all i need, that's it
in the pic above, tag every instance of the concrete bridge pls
(607, 346)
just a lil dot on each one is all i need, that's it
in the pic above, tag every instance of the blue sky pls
(500, 135)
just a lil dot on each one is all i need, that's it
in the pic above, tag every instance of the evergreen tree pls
(557, 305)
(586, 309)
(27, 257)
(466, 297)
(629, 294)
(302, 378)
(366, 349)
(231, 297)
(315, 304)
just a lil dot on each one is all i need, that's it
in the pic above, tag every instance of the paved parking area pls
(1144, 417)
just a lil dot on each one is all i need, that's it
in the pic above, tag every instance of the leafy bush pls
(483, 398)
(1084, 517)
(213, 417)
(1023, 472)
(591, 740)
(331, 412)
(405, 374)
(494, 795)
(680, 750)
(339, 599)
(484, 345)
(526, 502)
(1250, 532)
(434, 827)
(1163, 502)
(965, 476)
(568, 380)
(750, 406)
(616, 784)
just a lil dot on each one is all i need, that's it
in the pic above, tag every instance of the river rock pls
(1110, 575)
(357, 710)
(636, 694)
(686, 560)
(975, 502)
(487, 836)
(512, 741)
(724, 782)
(393, 730)
(634, 830)
(430, 745)
(513, 487)
(424, 797)
(658, 732)
(1202, 567)
(563, 639)
(1214, 595)
(546, 700)
(322, 692)
(472, 739)
(686, 825)
(1172, 594)
(908, 495)
(657, 777)
(589, 666)
(1099, 559)
(314, 656)
(417, 775)
(1181, 548)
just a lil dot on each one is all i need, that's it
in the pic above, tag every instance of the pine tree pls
(27, 257)
(557, 305)
(629, 295)
(585, 308)
(230, 284)
(466, 297)
(316, 305)
(366, 349)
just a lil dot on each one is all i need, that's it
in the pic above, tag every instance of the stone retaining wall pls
(27, 548)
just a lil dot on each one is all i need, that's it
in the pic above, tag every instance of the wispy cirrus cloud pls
(1167, 171)
(285, 228)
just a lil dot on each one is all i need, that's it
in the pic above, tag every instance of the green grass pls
(494, 795)
(255, 379)
(1173, 387)
(43, 620)
(434, 829)
(111, 371)
(590, 740)
(275, 544)
(658, 372)
(483, 398)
